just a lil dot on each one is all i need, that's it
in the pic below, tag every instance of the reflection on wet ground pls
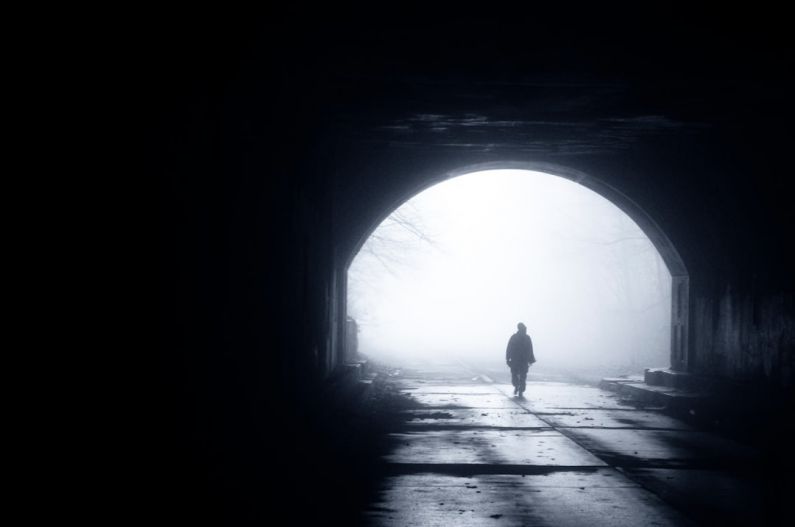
(470, 453)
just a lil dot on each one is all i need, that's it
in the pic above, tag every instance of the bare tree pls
(389, 249)
(399, 236)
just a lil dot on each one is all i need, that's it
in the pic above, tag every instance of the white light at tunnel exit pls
(456, 267)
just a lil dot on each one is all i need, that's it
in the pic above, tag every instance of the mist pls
(451, 272)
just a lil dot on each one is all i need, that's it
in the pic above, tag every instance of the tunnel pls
(281, 139)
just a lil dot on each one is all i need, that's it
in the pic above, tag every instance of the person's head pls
(521, 327)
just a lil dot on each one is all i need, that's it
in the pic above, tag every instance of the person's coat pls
(519, 354)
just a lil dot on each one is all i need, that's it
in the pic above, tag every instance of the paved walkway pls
(567, 455)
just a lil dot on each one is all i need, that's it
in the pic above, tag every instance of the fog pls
(451, 272)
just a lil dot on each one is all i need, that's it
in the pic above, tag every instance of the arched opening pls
(600, 286)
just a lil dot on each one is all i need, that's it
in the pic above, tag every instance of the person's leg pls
(515, 380)
(522, 381)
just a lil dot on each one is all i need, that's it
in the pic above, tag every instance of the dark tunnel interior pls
(280, 138)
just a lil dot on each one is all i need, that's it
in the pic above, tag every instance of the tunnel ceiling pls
(494, 79)
(544, 81)
(519, 118)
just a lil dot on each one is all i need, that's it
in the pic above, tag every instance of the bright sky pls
(510, 246)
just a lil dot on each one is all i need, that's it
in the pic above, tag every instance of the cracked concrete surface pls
(469, 453)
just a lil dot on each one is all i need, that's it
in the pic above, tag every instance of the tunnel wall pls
(745, 338)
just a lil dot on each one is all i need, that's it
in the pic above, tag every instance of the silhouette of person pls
(519, 357)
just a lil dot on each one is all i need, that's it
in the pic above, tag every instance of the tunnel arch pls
(680, 282)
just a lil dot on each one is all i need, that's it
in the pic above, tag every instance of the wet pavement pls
(470, 453)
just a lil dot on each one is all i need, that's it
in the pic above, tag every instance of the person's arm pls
(532, 356)
(508, 352)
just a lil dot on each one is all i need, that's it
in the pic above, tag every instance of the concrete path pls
(567, 455)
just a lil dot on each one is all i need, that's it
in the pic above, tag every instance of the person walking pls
(519, 356)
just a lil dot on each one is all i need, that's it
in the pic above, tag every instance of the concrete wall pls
(745, 338)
